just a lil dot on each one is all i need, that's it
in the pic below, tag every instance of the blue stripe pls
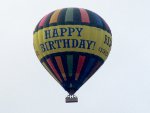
(87, 70)
(95, 19)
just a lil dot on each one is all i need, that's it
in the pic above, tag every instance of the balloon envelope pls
(72, 43)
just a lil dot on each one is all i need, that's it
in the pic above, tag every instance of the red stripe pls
(53, 68)
(80, 65)
(42, 21)
(84, 16)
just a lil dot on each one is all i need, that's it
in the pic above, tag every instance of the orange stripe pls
(84, 16)
(53, 68)
(54, 17)
(79, 67)
(60, 65)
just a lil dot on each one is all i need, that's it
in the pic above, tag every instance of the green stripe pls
(70, 64)
(69, 15)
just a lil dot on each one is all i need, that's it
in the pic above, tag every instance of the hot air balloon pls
(72, 44)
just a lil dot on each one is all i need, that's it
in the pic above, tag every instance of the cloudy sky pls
(122, 85)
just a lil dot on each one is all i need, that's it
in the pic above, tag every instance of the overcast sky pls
(122, 85)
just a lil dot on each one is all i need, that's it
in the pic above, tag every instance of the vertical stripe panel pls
(76, 16)
(98, 64)
(70, 64)
(53, 68)
(69, 15)
(79, 67)
(61, 17)
(95, 19)
(106, 26)
(50, 72)
(84, 16)
(87, 70)
(41, 24)
(54, 17)
(60, 65)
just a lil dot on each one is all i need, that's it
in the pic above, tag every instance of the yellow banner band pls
(72, 38)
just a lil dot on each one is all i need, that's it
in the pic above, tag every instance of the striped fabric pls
(78, 16)
(72, 69)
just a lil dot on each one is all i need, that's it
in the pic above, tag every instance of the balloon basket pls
(71, 99)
